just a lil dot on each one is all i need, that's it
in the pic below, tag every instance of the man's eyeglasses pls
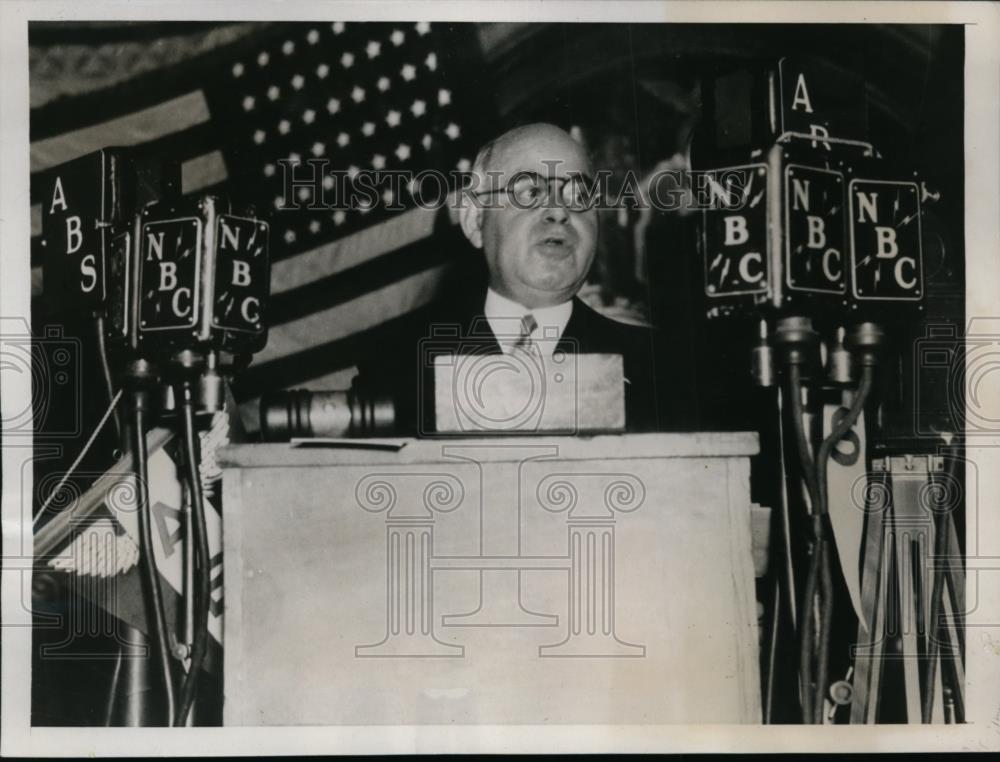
(530, 190)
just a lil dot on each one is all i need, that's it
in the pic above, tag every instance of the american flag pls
(228, 102)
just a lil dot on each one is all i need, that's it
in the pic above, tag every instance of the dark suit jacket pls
(399, 366)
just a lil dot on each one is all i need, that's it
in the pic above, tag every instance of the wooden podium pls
(603, 580)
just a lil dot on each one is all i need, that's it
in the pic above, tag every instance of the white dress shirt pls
(504, 316)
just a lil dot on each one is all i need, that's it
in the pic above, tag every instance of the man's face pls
(538, 256)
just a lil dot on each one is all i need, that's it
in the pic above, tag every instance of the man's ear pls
(471, 218)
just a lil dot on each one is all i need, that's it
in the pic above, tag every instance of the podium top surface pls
(498, 449)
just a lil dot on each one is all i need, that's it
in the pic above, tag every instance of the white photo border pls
(982, 204)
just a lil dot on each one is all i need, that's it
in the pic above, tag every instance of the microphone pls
(202, 278)
(190, 283)
(82, 201)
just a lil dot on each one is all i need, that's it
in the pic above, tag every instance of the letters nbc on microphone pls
(181, 303)
(737, 233)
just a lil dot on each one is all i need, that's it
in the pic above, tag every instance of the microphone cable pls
(807, 634)
(76, 463)
(147, 561)
(102, 353)
(819, 529)
(199, 648)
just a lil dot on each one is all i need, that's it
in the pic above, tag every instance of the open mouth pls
(554, 242)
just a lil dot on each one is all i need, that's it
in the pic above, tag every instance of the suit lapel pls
(575, 333)
(475, 334)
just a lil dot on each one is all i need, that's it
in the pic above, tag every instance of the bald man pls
(540, 239)
(531, 215)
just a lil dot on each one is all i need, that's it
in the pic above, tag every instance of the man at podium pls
(520, 579)
(532, 211)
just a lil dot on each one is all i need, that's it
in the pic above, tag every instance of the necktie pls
(528, 325)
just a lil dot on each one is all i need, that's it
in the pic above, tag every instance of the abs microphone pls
(82, 201)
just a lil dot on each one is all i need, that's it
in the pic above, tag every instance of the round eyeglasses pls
(529, 190)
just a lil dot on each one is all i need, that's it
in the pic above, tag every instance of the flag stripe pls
(352, 250)
(140, 91)
(202, 171)
(177, 146)
(194, 149)
(354, 315)
(324, 293)
(148, 124)
(182, 144)
(316, 361)
(46, 33)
